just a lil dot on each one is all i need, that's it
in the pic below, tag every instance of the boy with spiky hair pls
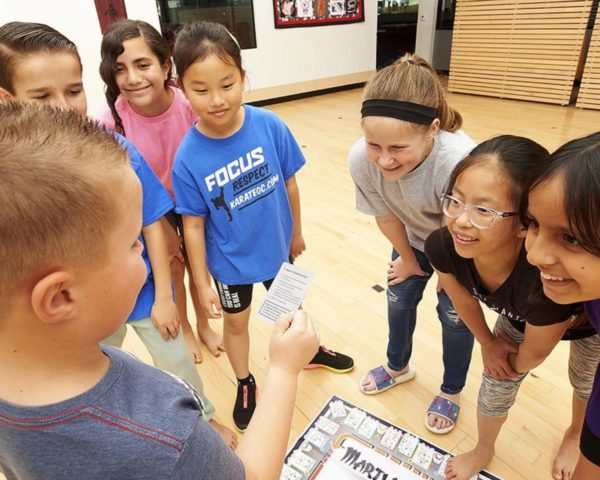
(70, 218)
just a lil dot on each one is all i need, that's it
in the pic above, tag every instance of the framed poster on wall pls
(309, 13)
(109, 11)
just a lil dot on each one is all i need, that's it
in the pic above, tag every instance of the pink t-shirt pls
(157, 138)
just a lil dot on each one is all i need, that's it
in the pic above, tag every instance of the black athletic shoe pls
(245, 403)
(334, 361)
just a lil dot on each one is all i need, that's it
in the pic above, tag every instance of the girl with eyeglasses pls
(480, 256)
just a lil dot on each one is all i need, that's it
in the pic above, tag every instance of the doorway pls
(396, 29)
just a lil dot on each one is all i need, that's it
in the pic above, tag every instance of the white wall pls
(290, 55)
(283, 56)
(426, 22)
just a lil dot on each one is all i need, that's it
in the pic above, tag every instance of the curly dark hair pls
(112, 47)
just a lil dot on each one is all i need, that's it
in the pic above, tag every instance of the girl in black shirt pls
(480, 256)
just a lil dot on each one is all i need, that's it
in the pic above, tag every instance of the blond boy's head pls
(57, 205)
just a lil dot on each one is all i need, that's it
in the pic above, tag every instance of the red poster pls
(109, 11)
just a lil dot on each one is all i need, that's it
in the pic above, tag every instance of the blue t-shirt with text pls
(238, 184)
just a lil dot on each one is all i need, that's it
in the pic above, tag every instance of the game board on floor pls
(346, 442)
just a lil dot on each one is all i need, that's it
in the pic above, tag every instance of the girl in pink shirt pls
(145, 106)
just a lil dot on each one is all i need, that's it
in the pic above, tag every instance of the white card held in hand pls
(287, 292)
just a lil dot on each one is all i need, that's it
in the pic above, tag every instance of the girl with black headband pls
(411, 144)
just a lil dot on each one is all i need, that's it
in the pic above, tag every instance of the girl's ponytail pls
(450, 119)
(112, 93)
(412, 79)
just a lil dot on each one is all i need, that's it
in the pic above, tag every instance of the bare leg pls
(568, 452)
(438, 422)
(211, 339)
(177, 273)
(176, 260)
(228, 436)
(463, 467)
(585, 470)
(237, 341)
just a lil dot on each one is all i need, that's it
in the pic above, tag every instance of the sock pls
(246, 381)
(246, 394)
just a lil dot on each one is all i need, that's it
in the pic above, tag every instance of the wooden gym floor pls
(349, 256)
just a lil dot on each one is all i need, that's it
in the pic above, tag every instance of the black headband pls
(410, 112)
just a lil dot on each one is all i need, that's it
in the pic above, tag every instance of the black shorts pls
(590, 445)
(237, 298)
(176, 221)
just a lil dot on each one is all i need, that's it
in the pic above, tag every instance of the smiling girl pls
(480, 257)
(563, 241)
(411, 144)
(145, 106)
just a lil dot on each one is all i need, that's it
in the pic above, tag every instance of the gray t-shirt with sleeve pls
(415, 198)
(138, 422)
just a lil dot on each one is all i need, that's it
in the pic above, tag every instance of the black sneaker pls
(334, 361)
(245, 403)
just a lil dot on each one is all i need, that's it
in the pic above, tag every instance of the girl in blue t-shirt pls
(563, 242)
(234, 182)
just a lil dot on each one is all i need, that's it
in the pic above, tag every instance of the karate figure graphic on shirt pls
(219, 202)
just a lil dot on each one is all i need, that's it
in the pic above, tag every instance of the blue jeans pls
(457, 339)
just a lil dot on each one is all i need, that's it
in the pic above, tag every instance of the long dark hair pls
(517, 157)
(197, 40)
(112, 47)
(578, 163)
(19, 39)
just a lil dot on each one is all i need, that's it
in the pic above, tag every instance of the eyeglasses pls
(479, 216)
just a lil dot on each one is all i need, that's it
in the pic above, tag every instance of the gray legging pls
(496, 396)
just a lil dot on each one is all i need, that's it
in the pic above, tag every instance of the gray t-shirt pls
(138, 422)
(415, 198)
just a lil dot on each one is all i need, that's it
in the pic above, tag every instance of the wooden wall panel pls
(589, 92)
(522, 49)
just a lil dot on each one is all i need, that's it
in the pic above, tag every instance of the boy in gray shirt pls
(71, 272)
